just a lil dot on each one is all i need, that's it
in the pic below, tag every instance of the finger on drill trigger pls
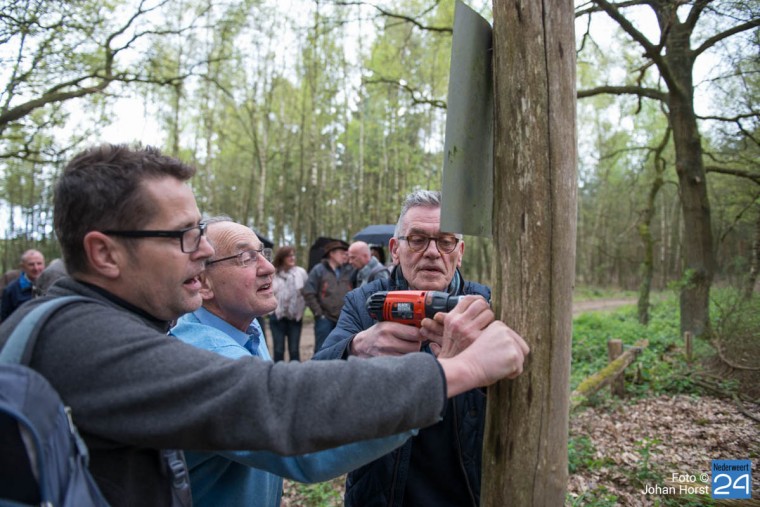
(430, 329)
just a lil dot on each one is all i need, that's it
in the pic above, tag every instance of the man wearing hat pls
(329, 281)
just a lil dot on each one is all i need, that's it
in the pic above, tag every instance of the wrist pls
(459, 378)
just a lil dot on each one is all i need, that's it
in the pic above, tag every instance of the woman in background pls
(287, 319)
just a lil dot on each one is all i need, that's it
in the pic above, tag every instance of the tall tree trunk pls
(525, 448)
(646, 270)
(754, 269)
(698, 253)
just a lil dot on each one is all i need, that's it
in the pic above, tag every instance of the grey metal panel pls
(467, 191)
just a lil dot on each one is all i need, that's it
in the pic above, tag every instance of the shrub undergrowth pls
(661, 368)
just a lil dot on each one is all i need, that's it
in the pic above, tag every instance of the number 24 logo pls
(724, 489)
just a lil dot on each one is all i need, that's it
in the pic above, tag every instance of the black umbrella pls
(316, 252)
(378, 234)
(268, 243)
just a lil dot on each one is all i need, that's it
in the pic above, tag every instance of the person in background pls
(378, 252)
(21, 290)
(441, 466)
(287, 319)
(366, 267)
(231, 288)
(328, 283)
(8, 277)
(55, 270)
(137, 394)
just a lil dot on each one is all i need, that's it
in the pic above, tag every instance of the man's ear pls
(461, 254)
(105, 255)
(393, 248)
(207, 287)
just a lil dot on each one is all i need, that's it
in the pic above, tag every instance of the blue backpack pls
(43, 460)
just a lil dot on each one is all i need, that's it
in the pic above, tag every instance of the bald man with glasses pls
(236, 289)
(440, 466)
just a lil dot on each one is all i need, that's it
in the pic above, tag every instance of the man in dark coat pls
(328, 283)
(21, 290)
(441, 466)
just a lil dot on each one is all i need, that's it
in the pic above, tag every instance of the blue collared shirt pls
(229, 478)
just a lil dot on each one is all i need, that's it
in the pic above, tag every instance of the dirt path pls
(597, 305)
(307, 332)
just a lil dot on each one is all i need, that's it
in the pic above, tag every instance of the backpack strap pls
(18, 348)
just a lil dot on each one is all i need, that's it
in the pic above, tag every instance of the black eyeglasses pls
(419, 243)
(189, 238)
(247, 257)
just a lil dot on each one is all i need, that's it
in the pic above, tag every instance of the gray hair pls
(418, 199)
(216, 219)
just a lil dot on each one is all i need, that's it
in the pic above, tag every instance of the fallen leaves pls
(648, 441)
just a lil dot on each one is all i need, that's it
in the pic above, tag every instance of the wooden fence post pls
(614, 350)
(609, 373)
(689, 343)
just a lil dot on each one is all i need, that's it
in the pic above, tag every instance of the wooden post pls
(687, 338)
(614, 350)
(601, 379)
(525, 443)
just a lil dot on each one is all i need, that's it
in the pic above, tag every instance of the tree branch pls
(754, 23)
(624, 90)
(24, 109)
(734, 172)
(650, 50)
(413, 92)
(612, 11)
(395, 15)
(695, 12)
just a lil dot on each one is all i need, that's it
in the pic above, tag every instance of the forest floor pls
(638, 451)
(630, 448)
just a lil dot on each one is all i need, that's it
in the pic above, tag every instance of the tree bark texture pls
(525, 449)
(699, 261)
(754, 269)
(645, 233)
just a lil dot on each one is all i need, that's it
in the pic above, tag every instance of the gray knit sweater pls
(133, 390)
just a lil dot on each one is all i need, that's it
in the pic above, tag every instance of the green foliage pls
(580, 453)
(662, 367)
(321, 494)
(643, 474)
(734, 316)
(591, 331)
(589, 293)
(597, 497)
(659, 366)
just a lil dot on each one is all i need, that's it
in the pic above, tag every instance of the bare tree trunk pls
(699, 259)
(645, 232)
(754, 262)
(525, 448)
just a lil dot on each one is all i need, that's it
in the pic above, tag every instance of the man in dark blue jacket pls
(441, 466)
(21, 290)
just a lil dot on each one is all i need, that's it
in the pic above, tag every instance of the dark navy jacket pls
(16, 293)
(452, 448)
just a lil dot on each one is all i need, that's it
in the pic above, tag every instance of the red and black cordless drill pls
(409, 306)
